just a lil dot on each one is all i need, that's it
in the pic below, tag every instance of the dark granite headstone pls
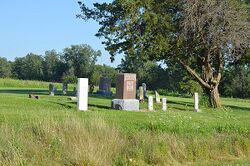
(75, 90)
(105, 86)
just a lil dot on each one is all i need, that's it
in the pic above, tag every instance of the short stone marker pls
(72, 98)
(164, 104)
(105, 86)
(157, 97)
(141, 94)
(126, 93)
(150, 103)
(64, 88)
(51, 89)
(196, 102)
(83, 88)
(145, 90)
(32, 96)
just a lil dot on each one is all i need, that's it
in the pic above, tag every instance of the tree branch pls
(219, 66)
(194, 74)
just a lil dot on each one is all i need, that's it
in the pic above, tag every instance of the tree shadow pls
(181, 103)
(34, 91)
(101, 96)
(62, 104)
(99, 106)
(238, 107)
(93, 105)
(24, 91)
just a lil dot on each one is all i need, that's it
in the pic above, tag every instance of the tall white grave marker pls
(164, 104)
(150, 103)
(83, 88)
(196, 102)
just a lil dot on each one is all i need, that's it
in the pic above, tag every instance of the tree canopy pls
(200, 35)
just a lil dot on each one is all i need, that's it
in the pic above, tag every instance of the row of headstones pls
(126, 94)
(151, 104)
(142, 94)
(53, 89)
(164, 103)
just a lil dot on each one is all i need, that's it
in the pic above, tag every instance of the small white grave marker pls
(83, 88)
(196, 102)
(164, 104)
(150, 103)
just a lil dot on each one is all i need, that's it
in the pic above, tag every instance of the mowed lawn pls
(50, 131)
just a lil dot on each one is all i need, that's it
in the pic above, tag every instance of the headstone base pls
(104, 92)
(125, 104)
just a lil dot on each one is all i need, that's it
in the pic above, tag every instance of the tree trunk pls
(210, 86)
(214, 97)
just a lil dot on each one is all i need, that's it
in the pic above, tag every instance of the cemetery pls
(60, 124)
(156, 83)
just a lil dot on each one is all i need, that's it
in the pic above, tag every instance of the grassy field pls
(50, 131)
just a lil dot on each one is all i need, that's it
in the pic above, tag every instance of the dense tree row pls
(74, 62)
(79, 61)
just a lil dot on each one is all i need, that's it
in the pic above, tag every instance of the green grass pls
(51, 131)
(12, 83)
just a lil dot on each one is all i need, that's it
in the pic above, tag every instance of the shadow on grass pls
(238, 107)
(62, 104)
(34, 91)
(181, 103)
(101, 96)
(99, 106)
(92, 105)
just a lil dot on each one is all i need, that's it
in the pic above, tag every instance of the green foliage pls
(53, 68)
(29, 67)
(81, 59)
(148, 72)
(69, 77)
(5, 68)
(237, 81)
(188, 86)
(105, 71)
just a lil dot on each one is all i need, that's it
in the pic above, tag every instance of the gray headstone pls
(157, 97)
(75, 90)
(127, 104)
(141, 94)
(145, 90)
(51, 89)
(105, 86)
(64, 88)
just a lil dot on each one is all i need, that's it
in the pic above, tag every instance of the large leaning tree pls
(200, 35)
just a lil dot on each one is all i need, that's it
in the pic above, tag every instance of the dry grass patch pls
(46, 141)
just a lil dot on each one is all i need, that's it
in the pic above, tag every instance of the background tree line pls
(80, 61)
(76, 61)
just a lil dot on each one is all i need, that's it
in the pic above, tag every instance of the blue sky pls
(36, 26)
